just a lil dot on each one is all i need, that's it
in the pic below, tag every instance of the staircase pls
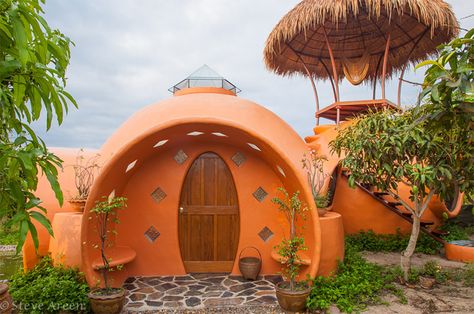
(396, 207)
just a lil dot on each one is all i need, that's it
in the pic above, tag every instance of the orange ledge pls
(304, 259)
(117, 256)
(459, 253)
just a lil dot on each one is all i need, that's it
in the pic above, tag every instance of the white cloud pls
(128, 53)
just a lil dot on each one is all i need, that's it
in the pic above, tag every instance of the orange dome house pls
(199, 171)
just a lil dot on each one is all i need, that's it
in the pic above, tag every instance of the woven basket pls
(249, 265)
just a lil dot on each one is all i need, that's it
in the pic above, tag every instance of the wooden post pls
(338, 115)
(399, 96)
(313, 85)
(384, 68)
(330, 79)
(333, 63)
(374, 91)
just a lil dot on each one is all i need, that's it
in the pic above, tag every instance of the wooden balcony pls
(343, 110)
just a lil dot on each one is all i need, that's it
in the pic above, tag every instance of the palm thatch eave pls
(354, 26)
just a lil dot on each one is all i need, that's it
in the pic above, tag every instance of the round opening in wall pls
(160, 143)
(195, 133)
(254, 146)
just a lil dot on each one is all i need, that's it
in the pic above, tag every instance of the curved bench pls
(118, 255)
(304, 259)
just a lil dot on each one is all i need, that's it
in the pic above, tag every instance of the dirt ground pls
(450, 298)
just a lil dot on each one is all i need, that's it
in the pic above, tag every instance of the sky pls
(127, 54)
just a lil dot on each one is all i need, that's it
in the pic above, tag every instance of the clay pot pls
(6, 302)
(293, 301)
(323, 211)
(111, 303)
(78, 205)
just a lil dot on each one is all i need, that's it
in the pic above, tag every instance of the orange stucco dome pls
(141, 155)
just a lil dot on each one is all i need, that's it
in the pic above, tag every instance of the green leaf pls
(42, 220)
(23, 232)
(53, 181)
(34, 234)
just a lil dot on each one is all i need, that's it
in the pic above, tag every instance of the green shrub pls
(455, 231)
(356, 284)
(370, 241)
(49, 289)
(8, 235)
(469, 275)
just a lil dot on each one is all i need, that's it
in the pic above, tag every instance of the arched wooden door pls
(208, 216)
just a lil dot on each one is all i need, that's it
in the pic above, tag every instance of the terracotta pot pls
(107, 303)
(6, 302)
(293, 301)
(323, 211)
(78, 205)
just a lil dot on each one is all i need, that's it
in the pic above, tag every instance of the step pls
(439, 232)
(322, 128)
(426, 223)
(311, 138)
(394, 204)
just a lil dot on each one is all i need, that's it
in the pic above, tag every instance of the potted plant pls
(314, 166)
(291, 294)
(84, 174)
(107, 299)
(6, 302)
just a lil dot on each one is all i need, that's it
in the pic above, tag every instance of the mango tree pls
(448, 101)
(429, 148)
(33, 62)
(387, 149)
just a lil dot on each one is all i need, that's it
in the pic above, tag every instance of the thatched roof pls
(356, 26)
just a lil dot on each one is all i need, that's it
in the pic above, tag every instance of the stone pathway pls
(197, 291)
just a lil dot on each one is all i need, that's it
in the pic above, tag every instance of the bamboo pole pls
(333, 64)
(384, 68)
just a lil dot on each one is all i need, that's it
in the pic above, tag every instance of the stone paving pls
(197, 291)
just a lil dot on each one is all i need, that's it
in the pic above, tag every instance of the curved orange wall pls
(359, 210)
(242, 122)
(46, 194)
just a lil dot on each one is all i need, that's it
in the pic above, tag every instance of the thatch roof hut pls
(361, 40)
(355, 27)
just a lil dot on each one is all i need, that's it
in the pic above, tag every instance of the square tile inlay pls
(260, 194)
(180, 157)
(265, 234)
(152, 234)
(158, 195)
(239, 159)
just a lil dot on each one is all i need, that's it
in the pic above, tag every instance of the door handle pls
(181, 210)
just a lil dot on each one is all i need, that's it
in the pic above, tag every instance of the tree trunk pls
(406, 255)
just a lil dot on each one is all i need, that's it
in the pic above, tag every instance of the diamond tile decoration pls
(260, 194)
(158, 195)
(180, 157)
(265, 234)
(152, 234)
(239, 159)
